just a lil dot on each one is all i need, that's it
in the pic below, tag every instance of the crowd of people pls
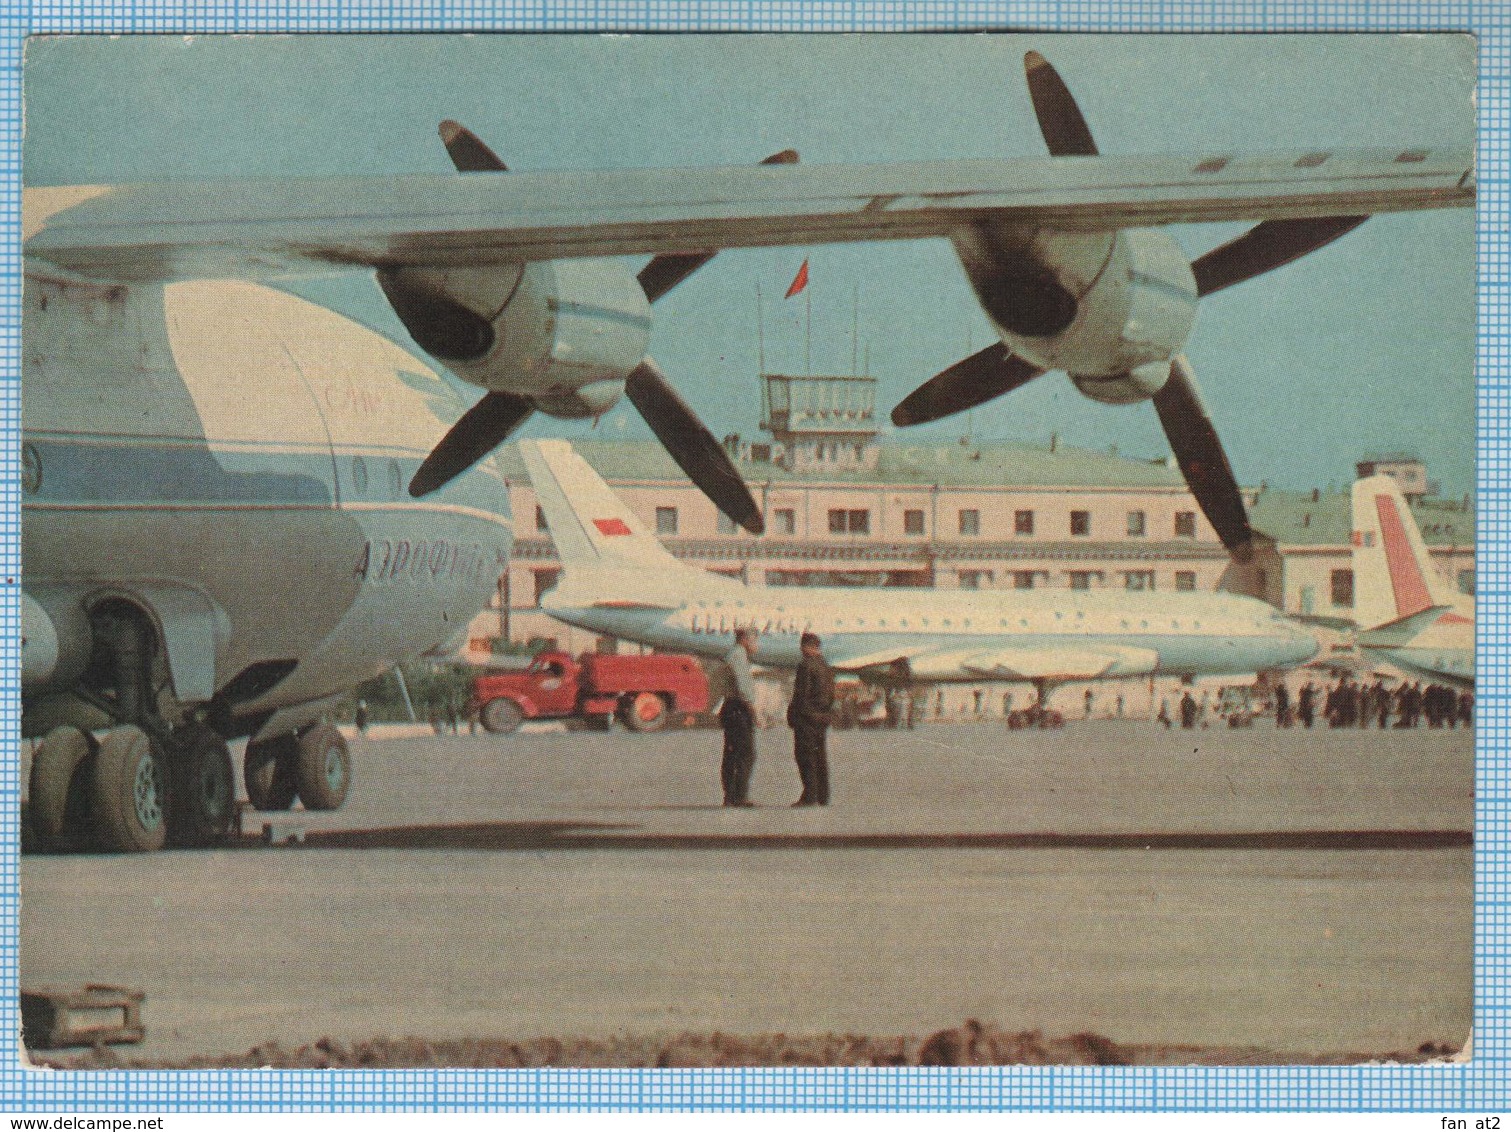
(1352, 703)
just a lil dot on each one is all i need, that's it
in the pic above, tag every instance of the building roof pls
(1289, 517)
(1294, 518)
(998, 464)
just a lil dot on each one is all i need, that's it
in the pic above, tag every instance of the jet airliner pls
(617, 579)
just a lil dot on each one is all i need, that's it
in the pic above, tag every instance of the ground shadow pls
(539, 836)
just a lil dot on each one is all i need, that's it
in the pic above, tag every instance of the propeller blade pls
(1266, 246)
(1202, 460)
(666, 271)
(690, 443)
(978, 379)
(480, 430)
(469, 153)
(1065, 131)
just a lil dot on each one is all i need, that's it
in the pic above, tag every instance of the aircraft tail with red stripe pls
(1394, 579)
(590, 525)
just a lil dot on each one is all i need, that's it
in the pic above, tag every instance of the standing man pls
(737, 715)
(1187, 711)
(808, 716)
(1306, 704)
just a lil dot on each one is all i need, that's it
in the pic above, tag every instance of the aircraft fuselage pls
(235, 460)
(1211, 634)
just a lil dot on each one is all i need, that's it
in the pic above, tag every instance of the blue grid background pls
(1481, 1085)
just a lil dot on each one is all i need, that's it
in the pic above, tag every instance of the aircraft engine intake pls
(563, 333)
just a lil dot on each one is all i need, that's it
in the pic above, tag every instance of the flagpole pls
(808, 334)
(760, 333)
(855, 333)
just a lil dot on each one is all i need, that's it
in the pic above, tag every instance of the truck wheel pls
(324, 768)
(269, 771)
(60, 785)
(645, 711)
(203, 799)
(502, 716)
(128, 801)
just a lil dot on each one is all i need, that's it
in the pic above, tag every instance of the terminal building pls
(843, 508)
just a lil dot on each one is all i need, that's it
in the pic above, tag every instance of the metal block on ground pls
(97, 1014)
(283, 832)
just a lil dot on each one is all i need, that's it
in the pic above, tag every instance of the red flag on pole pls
(799, 282)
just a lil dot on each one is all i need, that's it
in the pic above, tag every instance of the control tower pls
(821, 423)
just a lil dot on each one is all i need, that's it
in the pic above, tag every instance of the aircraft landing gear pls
(60, 790)
(203, 794)
(145, 782)
(324, 768)
(270, 770)
(129, 811)
(314, 767)
(148, 782)
(109, 795)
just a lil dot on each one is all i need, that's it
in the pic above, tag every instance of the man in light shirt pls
(738, 719)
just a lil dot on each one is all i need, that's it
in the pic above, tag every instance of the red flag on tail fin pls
(799, 282)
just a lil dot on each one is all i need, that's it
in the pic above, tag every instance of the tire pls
(202, 800)
(269, 770)
(324, 768)
(129, 796)
(59, 799)
(502, 716)
(645, 711)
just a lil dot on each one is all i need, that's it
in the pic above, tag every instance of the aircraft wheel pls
(129, 800)
(269, 770)
(59, 806)
(645, 711)
(502, 716)
(203, 800)
(324, 768)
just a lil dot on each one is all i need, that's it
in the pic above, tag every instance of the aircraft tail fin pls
(590, 525)
(1394, 578)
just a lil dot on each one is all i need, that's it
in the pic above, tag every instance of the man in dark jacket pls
(808, 716)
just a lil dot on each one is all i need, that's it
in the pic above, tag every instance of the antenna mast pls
(855, 332)
(760, 332)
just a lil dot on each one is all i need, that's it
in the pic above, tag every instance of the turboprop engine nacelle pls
(564, 333)
(1111, 309)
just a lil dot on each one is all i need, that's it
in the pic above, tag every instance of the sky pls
(1364, 346)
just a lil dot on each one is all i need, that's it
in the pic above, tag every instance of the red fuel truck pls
(642, 692)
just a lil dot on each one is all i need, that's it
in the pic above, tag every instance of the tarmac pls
(1305, 892)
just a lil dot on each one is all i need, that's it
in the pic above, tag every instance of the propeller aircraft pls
(238, 504)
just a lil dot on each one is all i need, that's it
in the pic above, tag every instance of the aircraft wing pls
(1011, 662)
(271, 228)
